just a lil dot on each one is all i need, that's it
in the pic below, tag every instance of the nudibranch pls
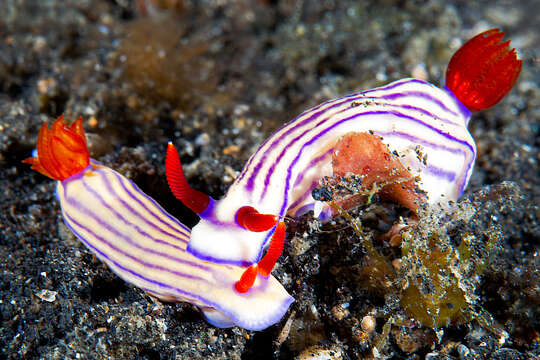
(141, 242)
(409, 128)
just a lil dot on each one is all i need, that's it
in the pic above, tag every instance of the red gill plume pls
(61, 150)
(483, 70)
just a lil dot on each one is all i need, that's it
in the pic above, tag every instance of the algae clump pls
(441, 262)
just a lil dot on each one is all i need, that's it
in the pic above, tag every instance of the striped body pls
(425, 125)
(146, 247)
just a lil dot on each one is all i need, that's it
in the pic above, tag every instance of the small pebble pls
(318, 352)
(47, 295)
(368, 323)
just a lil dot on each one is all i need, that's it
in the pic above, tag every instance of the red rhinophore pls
(250, 219)
(266, 264)
(246, 280)
(483, 70)
(193, 199)
(61, 151)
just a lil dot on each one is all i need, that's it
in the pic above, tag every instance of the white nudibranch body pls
(146, 246)
(425, 125)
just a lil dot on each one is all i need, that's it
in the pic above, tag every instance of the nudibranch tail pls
(483, 70)
(193, 199)
(266, 264)
(61, 151)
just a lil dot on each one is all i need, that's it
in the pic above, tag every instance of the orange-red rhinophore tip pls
(266, 264)
(246, 280)
(249, 218)
(61, 151)
(483, 70)
(193, 199)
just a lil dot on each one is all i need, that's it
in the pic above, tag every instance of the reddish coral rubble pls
(366, 155)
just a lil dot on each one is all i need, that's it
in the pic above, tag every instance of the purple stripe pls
(440, 173)
(465, 112)
(353, 117)
(220, 261)
(420, 95)
(143, 218)
(396, 84)
(304, 196)
(422, 111)
(312, 164)
(138, 215)
(80, 207)
(322, 133)
(337, 102)
(122, 181)
(123, 253)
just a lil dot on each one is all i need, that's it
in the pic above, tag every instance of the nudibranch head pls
(483, 70)
(61, 151)
(244, 227)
